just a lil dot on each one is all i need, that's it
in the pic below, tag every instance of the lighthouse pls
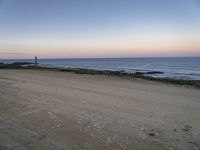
(35, 60)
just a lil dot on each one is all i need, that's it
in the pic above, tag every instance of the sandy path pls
(44, 110)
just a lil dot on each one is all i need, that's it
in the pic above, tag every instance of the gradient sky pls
(99, 28)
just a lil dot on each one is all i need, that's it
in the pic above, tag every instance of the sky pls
(99, 28)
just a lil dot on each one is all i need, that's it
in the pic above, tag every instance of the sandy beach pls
(49, 110)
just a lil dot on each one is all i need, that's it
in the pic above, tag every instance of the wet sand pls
(48, 110)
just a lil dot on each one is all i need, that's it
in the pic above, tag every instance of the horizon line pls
(104, 57)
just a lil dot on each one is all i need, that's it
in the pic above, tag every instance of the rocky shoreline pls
(122, 73)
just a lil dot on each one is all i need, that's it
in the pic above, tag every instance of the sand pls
(47, 110)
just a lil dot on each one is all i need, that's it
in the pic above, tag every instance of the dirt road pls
(44, 110)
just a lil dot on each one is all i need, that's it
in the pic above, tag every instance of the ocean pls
(187, 68)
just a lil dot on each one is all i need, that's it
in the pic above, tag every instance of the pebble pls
(187, 128)
(42, 137)
(58, 126)
(49, 113)
(174, 130)
(79, 122)
(108, 139)
(152, 134)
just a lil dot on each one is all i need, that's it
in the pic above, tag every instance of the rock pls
(148, 73)
(79, 122)
(192, 142)
(171, 148)
(152, 134)
(196, 148)
(108, 139)
(174, 130)
(121, 145)
(42, 137)
(187, 128)
(21, 63)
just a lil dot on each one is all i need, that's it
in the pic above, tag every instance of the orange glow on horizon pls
(112, 48)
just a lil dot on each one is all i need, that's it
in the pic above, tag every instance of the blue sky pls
(99, 28)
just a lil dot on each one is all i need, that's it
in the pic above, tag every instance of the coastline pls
(185, 68)
(122, 73)
(56, 110)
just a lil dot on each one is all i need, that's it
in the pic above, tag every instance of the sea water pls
(187, 68)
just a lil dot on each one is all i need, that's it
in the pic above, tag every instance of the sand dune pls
(46, 110)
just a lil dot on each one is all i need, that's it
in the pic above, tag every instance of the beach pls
(49, 110)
